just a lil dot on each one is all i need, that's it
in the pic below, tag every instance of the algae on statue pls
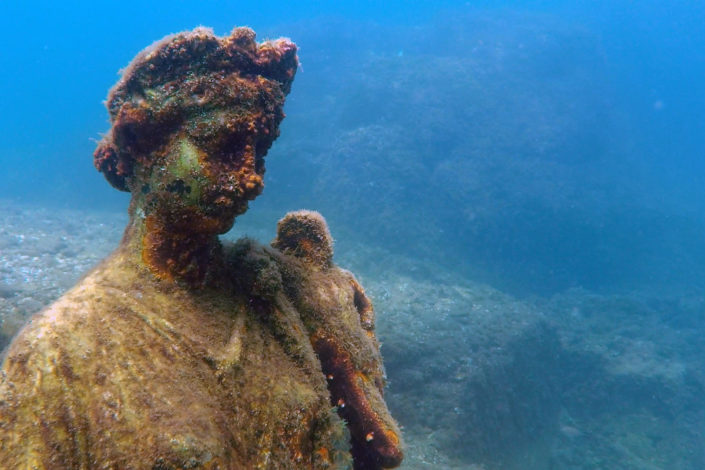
(179, 351)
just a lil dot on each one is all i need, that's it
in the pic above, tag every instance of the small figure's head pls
(305, 235)
(192, 118)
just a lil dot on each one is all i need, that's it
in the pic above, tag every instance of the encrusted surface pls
(196, 87)
(127, 371)
(340, 321)
(178, 352)
(305, 234)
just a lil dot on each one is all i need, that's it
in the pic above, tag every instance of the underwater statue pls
(179, 351)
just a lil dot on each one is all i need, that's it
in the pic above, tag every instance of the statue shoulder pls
(64, 331)
(35, 380)
(47, 336)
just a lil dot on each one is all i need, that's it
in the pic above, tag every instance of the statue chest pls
(243, 404)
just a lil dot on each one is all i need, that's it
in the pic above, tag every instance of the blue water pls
(555, 144)
(537, 146)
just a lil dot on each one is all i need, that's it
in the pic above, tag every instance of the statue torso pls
(127, 372)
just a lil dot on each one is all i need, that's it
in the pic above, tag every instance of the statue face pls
(192, 118)
(211, 164)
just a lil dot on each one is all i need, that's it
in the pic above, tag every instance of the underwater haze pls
(520, 186)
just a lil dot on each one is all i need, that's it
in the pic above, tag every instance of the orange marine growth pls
(375, 437)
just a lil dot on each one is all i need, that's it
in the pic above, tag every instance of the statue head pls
(193, 117)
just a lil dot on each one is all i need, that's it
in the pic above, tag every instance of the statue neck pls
(173, 246)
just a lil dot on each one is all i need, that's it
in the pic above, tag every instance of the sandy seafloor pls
(478, 379)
